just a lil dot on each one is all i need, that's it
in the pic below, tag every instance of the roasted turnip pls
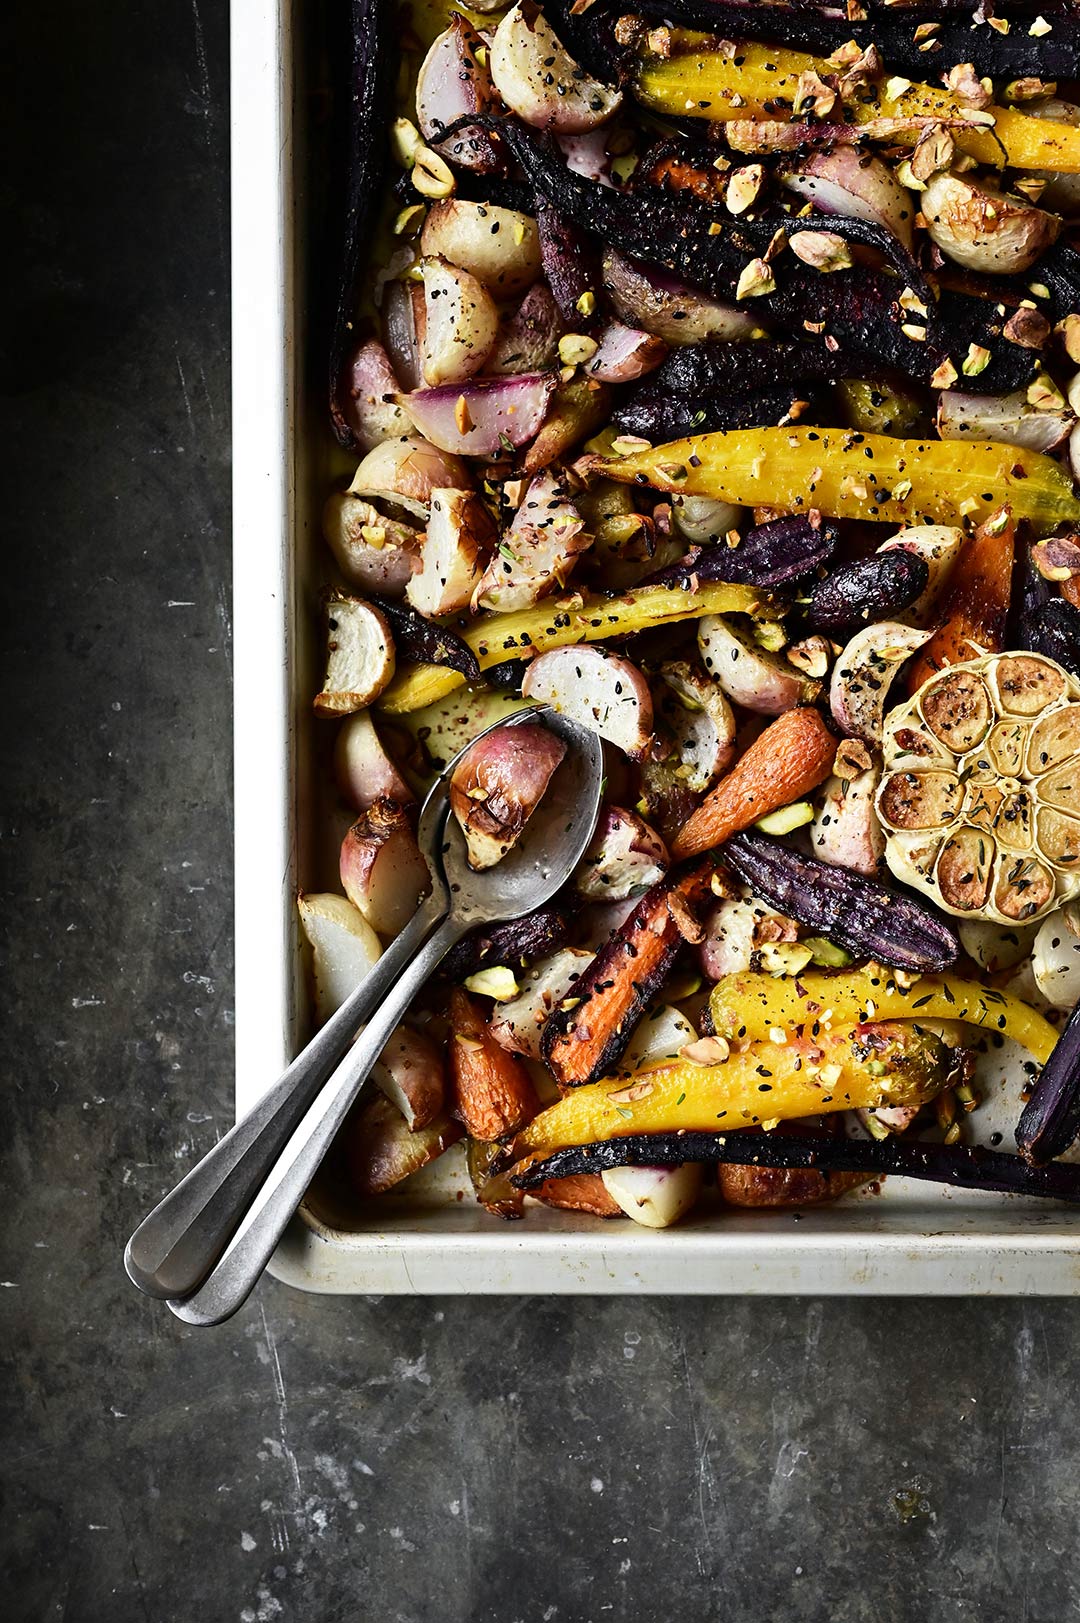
(737, 931)
(846, 831)
(367, 397)
(601, 690)
(485, 415)
(864, 673)
(624, 354)
(498, 246)
(461, 536)
(498, 784)
(407, 470)
(411, 1073)
(748, 674)
(655, 1197)
(462, 323)
(381, 1150)
(701, 721)
(656, 302)
(984, 229)
(454, 81)
(536, 555)
(516, 1025)
(539, 80)
(365, 772)
(1010, 418)
(373, 551)
(360, 656)
(623, 859)
(382, 871)
(1055, 960)
(344, 947)
(843, 180)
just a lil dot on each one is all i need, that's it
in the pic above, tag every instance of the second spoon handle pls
(248, 1253)
(175, 1247)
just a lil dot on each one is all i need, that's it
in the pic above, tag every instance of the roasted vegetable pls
(418, 639)
(850, 475)
(655, 1197)
(698, 79)
(1051, 1119)
(975, 607)
(556, 622)
(861, 915)
(491, 1090)
(980, 795)
(516, 944)
(864, 673)
(961, 1166)
(498, 784)
(360, 656)
(585, 1037)
(1054, 631)
(381, 1150)
(371, 75)
(868, 1065)
(752, 1005)
(584, 1193)
(788, 760)
(874, 588)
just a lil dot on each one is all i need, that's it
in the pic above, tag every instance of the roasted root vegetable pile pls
(708, 372)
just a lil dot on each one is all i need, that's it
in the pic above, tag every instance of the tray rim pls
(551, 1253)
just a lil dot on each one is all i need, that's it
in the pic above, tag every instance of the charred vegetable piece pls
(751, 1005)
(1054, 630)
(788, 760)
(872, 589)
(427, 643)
(851, 475)
(773, 556)
(960, 1165)
(556, 622)
(516, 944)
(371, 74)
(859, 914)
(584, 1038)
(657, 416)
(572, 267)
(868, 1065)
(975, 608)
(1051, 1119)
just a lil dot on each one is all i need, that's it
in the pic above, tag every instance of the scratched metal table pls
(334, 1460)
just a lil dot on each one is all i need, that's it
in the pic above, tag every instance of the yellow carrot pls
(767, 1081)
(761, 82)
(752, 1005)
(846, 474)
(558, 621)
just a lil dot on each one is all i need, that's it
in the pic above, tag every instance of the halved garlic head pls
(980, 796)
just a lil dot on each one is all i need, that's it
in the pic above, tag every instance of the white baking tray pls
(434, 1239)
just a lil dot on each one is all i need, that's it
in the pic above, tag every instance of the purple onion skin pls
(370, 82)
(1053, 629)
(428, 644)
(772, 556)
(961, 1166)
(520, 942)
(865, 917)
(873, 588)
(1050, 1123)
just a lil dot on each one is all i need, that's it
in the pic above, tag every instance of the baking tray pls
(904, 1240)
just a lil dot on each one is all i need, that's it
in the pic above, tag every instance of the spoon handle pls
(254, 1242)
(176, 1246)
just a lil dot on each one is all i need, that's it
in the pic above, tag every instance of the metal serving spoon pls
(205, 1245)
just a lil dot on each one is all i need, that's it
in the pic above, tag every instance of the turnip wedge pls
(483, 416)
(845, 474)
(498, 784)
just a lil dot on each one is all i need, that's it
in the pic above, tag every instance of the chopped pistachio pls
(586, 303)
(431, 176)
(784, 958)
(575, 348)
(1044, 394)
(410, 220)
(405, 141)
(787, 819)
(1069, 330)
(976, 361)
(755, 279)
(498, 982)
(823, 250)
(911, 330)
(1040, 27)
(743, 188)
(945, 376)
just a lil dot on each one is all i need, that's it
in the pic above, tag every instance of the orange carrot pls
(976, 603)
(492, 1091)
(581, 1192)
(791, 757)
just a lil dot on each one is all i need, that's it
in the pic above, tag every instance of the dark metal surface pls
(333, 1461)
